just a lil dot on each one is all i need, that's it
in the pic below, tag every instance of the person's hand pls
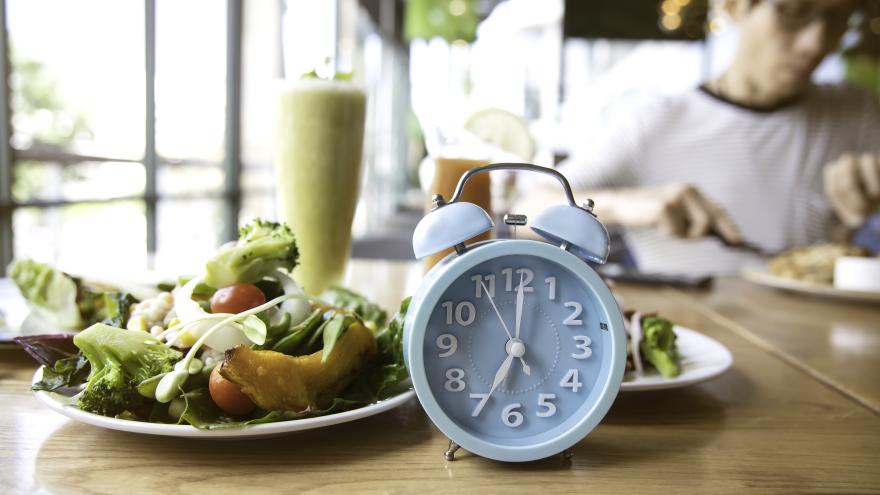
(681, 210)
(852, 186)
(678, 209)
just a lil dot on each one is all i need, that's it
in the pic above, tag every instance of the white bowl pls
(857, 273)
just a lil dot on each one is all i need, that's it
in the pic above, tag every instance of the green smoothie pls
(320, 135)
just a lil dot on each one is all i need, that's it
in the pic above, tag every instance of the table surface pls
(796, 413)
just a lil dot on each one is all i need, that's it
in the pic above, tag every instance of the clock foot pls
(567, 455)
(450, 452)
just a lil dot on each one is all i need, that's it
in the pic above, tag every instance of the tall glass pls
(447, 172)
(320, 135)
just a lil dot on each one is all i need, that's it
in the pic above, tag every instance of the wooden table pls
(797, 413)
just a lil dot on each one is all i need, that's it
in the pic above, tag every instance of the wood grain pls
(765, 427)
(838, 342)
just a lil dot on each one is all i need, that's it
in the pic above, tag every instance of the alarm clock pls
(516, 348)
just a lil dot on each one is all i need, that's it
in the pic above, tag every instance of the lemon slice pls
(503, 129)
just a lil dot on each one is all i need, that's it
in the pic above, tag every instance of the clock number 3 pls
(584, 347)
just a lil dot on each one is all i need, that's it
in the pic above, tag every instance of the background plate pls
(767, 279)
(702, 359)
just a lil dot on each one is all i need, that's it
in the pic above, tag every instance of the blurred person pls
(759, 154)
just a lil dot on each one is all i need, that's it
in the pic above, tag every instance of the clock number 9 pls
(454, 380)
(448, 344)
(460, 310)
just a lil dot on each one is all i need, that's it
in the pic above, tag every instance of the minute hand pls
(519, 308)
(526, 368)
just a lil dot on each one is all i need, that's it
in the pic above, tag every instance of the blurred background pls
(140, 132)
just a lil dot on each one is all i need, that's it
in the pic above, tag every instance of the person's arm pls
(608, 172)
(677, 210)
(852, 182)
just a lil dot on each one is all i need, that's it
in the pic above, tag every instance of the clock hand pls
(491, 301)
(502, 373)
(526, 368)
(519, 307)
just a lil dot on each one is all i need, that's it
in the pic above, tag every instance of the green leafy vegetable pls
(117, 308)
(254, 329)
(658, 345)
(67, 372)
(120, 360)
(51, 293)
(49, 348)
(389, 376)
(262, 247)
(290, 343)
(202, 289)
(373, 316)
(332, 331)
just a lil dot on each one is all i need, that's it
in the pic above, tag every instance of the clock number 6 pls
(510, 417)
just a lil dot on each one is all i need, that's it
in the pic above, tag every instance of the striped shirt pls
(763, 167)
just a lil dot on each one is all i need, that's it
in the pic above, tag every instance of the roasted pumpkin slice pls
(278, 382)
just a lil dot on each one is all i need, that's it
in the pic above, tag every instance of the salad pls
(239, 344)
(64, 302)
(651, 344)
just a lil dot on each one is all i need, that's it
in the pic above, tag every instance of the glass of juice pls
(319, 141)
(447, 172)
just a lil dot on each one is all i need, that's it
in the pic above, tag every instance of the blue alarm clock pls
(516, 348)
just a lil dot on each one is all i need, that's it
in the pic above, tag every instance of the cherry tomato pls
(228, 396)
(237, 298)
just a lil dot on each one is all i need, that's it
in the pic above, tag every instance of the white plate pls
(702, 358)
(767, 279)
(64, 405)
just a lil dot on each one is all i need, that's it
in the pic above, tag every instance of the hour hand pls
(502, 373)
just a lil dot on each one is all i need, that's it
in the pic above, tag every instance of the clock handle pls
(514, 166)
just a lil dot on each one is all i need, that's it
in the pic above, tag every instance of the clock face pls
(514, 349)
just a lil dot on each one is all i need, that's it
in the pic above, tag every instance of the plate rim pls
(188, 431)
(765, 278)
(679, 382)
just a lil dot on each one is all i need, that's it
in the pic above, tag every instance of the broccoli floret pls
(120, 360)
(262, 247)
(658, 345)
(110, 393)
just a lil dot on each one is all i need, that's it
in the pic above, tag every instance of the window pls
(140, 133)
